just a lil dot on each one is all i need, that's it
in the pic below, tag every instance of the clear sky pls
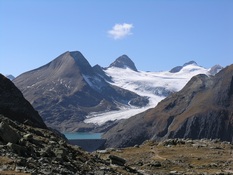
(156, 34)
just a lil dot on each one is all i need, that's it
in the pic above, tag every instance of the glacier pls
(154, 85)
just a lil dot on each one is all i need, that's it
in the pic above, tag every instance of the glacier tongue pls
(155, 85)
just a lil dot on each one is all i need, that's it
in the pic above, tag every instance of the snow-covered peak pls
(124, 62)
(178, 68)
(193, 69)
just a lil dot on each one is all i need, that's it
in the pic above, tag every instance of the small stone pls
(103, 151)
(28, 136)
(173, 173)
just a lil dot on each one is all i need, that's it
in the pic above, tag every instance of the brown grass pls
(181, 158)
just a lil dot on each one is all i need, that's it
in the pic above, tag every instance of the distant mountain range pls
(11, 77)
(202, 109)
(70, 95)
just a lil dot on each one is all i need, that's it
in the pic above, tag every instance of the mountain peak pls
(178, 68)
(84, 65)
(190, 63)
(10, 77)
(124, 62)
(69, 62)
(215, 69)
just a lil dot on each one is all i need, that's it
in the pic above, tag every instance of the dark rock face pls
(123, 62)
(99, 70)
(67, 89)
(202, 109)
(189, 63)
(176, 69)
(15, 106)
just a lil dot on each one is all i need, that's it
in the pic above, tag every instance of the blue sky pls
(156, 34)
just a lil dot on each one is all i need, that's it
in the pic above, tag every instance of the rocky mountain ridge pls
(202, 109)
(70, 95)
(65, 90)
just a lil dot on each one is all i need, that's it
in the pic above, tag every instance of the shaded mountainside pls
(67, 89)
(202, 109)
(14, 106)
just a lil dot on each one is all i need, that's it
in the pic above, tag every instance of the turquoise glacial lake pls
(82, 135)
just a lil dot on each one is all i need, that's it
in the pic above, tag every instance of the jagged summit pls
(123, 62)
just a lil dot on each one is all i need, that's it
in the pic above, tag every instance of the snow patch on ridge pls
(95, 82)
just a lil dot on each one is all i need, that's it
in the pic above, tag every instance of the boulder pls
(20, 150)
(8, 134)
(117, 160)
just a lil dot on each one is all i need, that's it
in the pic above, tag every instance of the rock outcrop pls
(202, 109)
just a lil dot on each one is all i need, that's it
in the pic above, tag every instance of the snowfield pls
(155, 85)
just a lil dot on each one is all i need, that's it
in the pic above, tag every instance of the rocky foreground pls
(29, 150)
(176, 156)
